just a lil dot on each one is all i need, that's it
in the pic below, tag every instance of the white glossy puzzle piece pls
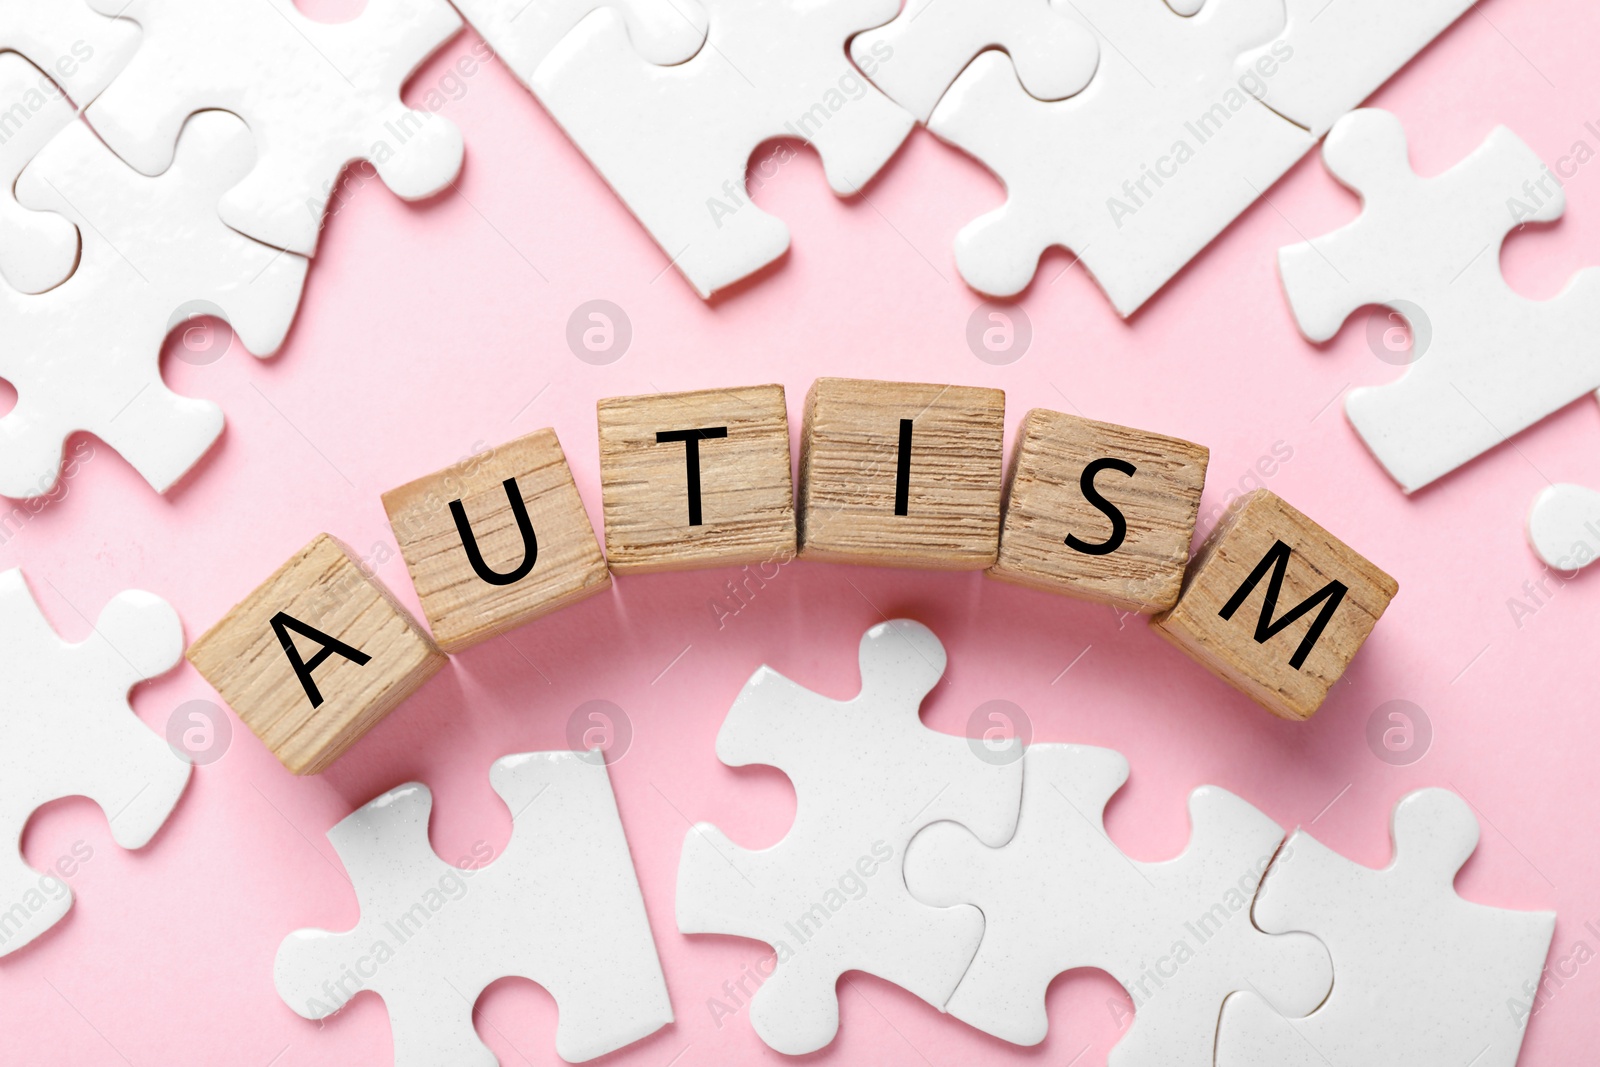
(1333, 56)
(86, 355)
(561, 906)
(915, 58)
(1423, 978)
(80, 49)
(1489, 363)
(1061, 895)
(829, 897)
(675, 142)
(1137, 173)
(522, 34)
(1564, 526)
(66, 730)
(317, 96)
(37, 248)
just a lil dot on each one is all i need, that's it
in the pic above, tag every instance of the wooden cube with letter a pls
(316, 656)
(1099, 511)
(1276, 606)
(901, 474)
(497, 540)
(697, 479)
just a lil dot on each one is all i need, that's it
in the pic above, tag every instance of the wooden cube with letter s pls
(1276, 606)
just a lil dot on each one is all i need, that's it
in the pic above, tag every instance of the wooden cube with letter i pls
(698, 479)
(1275, 605)
(497, 540)
(316, 656)
(901, 474)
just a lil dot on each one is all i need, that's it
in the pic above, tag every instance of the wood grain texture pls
(1234, 551)
(849, 462)
(1045, 504)
(323, 587)
(746, 486)
(464, 609)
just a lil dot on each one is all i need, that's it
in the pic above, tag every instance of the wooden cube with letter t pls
(496, 540)
(697, 479)
(1100, 512)
(901, 474)
(316, 656)
(1276, 606)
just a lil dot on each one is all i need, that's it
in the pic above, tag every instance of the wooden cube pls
(316, 656)
(901, 474)
(496, 540)
(1099, 511)
(696, 479)
(1276, 606)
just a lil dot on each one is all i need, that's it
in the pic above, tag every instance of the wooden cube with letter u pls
(316, 656)
(901, 474)
(1276, 606)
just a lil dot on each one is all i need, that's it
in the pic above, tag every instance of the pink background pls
(429, 330)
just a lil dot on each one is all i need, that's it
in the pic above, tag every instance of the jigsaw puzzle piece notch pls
(663, 32)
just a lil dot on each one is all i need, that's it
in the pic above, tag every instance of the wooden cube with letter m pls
(1276, 606)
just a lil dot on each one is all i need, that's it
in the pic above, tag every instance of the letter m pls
(1277, 561)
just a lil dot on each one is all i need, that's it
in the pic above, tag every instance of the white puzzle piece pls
(1137, 173)
(1564, 526)
(829, 897)
(1061, 895)
(37, 248)
(86, 355)
(1422, 977)
(915, 58)
(560, 906)
(522, 34)
(1331, 57)
(317, 96)
(78, 48)
(66, 730)
(1488, 363)
(675, 142)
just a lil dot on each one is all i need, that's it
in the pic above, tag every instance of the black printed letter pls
(691, 445)
(1277, 558)
(282, 624)
(1119, 523)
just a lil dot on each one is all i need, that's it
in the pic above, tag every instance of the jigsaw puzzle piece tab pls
(66, 730)
(1331, 57)
(1137, 173)
(1486, 362)
(916, 57)
(1424, 977)
(432, 936)
(86, 354)
(675, 142)
(80, 49)
(1564, 526)
(665, 32)
(37, 249)
(1060, 895)
(317, 96)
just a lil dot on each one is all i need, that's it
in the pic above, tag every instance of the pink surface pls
(430, 331)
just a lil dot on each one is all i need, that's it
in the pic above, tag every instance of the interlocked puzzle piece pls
(675, 142)
(86, 354)
(1487, 362)
(561, 906)
(1424, 978)
(66, 730)
(1333, 56)
(75, 46)
(1564, 526)
(1061, 895)
(522, 34)
(37, 248)
(829, 897)
(1137, 173)
(915, 58)
(317, 96)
